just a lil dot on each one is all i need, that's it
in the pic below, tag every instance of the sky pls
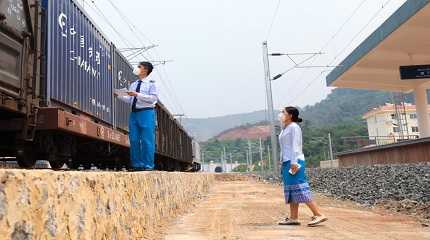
(216, 46)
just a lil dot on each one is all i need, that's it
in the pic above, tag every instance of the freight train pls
(57, 75)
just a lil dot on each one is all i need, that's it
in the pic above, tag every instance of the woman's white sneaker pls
(290, 222)
(317, 220)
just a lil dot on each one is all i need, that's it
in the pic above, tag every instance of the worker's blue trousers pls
(142, 139)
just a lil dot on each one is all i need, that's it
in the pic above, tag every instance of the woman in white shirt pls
(296, 187)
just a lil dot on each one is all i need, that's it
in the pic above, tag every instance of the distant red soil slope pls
(251, 132)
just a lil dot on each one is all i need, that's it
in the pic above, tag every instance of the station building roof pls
(402, 40)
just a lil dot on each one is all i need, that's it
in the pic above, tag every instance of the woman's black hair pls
(294, 112)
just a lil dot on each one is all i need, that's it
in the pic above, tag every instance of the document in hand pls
(121, 92)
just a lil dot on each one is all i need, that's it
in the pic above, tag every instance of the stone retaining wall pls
(43, 204)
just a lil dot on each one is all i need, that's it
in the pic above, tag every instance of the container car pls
(57, 75)
(197, 161)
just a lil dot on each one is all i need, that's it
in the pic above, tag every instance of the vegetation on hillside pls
(342, 105)
(346, 105)
(315, 144)
(339, 114)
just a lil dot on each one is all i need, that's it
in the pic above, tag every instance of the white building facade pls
(382, 124)
(224, 167)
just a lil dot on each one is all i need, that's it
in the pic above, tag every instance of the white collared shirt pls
(147, 97)
(290, 141)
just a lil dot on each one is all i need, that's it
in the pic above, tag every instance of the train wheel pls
(25, 157)
(57, 164)
(197, 167)
(87, 166)
(73, 165)
(56, 161)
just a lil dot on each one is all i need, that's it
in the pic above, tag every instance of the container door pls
(12, 24)
(122, 77)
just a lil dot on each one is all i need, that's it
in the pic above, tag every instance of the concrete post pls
(273, 136)
(422, 112)
(330, 146)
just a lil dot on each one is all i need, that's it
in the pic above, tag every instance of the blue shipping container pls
(122, 78)
(79, 70)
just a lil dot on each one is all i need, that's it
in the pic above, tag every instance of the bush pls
(240, 168)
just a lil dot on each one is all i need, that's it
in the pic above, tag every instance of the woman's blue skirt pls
(296, 187)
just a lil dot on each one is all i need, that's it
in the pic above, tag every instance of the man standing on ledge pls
(143, 96)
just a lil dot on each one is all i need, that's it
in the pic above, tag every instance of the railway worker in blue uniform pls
(143, 96)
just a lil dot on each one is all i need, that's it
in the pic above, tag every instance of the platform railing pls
(360, 142)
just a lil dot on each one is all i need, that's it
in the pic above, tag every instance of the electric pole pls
(250, 152)
(203, 160)
(231, 163)
(270, 110)
(247, 161)
(222, 162)
(268, 158)
(261, 157)
(225, 159)
(330, 146)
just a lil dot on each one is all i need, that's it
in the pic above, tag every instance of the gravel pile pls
(402, 188)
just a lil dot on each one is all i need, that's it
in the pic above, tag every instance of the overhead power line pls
(317, 77)
(333, 37)
(129, 23)
(354, 12)
(296, 64)
(105, 19)
(275, 14)
(164, 81)
(361, 30)
(126, 43)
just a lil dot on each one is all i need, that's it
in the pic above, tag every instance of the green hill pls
(205, 128)
(342, 105)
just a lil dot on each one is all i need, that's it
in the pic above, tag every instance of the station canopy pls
(402, 40)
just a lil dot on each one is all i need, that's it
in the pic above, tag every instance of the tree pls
(240, 168)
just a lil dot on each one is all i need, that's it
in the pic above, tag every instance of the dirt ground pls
(250, 210)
